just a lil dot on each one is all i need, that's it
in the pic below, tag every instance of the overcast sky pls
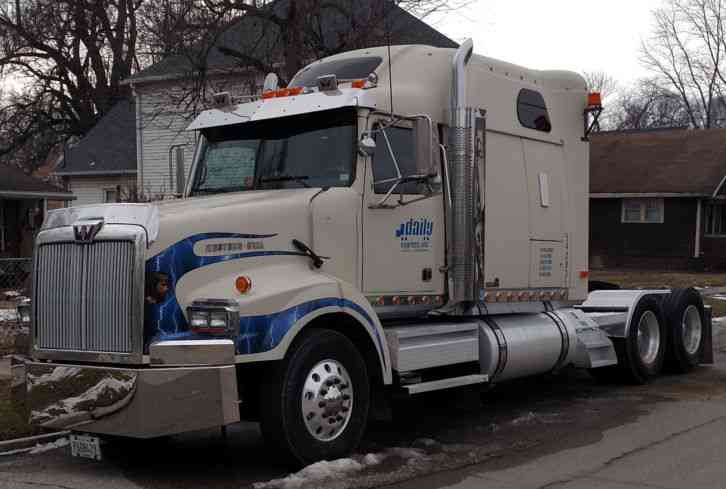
(575, 35)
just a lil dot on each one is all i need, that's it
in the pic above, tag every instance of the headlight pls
(214, 316)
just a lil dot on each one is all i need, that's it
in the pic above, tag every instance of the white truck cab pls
(391, 217)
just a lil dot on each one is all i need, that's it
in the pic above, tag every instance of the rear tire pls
(641, 353)
(683, 310)
(314, 404)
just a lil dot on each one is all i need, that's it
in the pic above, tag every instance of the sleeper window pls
(532, 111)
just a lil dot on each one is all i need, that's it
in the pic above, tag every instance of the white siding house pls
(163, 143)
(169, 94)
(95, 190)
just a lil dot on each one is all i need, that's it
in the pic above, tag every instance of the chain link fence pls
(14, 274)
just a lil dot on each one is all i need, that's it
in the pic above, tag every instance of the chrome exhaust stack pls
(461, 253)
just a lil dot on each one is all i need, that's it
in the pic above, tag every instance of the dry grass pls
(649, 279)
(13, 417)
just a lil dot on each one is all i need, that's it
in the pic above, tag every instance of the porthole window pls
(532, 111)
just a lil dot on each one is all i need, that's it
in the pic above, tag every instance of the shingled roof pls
(260, 40)
(671, 161)
(108, 149)
(15, 184)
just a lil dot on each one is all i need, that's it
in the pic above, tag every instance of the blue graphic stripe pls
(176, 261)
(264, 332)
(257, 334)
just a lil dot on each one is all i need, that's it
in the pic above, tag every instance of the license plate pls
(86, 447)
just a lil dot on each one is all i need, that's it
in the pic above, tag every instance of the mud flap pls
(707, 350)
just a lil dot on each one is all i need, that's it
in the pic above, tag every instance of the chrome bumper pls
(139, 403)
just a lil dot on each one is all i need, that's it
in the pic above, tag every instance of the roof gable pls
(15, 183)
(254, 37)
(672, 161)
(109, 148)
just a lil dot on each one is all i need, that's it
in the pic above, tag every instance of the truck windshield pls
(311, 150)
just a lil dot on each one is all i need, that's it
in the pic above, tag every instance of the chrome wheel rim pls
(648, 337)
(327, 400)
(691, 330)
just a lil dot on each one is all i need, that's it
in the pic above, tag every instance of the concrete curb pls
(30, 441)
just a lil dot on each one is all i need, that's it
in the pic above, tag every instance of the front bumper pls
(133, 402)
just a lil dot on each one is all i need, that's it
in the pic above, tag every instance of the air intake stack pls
(461, 249)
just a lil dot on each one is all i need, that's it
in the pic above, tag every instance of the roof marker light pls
(594, 99)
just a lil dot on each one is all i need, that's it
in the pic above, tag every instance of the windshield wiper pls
(301, 179)
(220, 190)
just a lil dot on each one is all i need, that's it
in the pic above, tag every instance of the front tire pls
(314, 405)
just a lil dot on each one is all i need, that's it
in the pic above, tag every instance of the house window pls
(643, 211)
(110, 195)
(715, 215)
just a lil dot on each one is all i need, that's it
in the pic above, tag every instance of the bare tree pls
(647, 106)
(73, 54)
(300, 28)
(686, 54)
(599, 81)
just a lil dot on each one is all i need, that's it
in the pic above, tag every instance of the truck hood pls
(280, 215)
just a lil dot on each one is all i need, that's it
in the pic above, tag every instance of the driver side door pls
(403, 244)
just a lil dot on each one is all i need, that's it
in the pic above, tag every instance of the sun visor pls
(279, 107)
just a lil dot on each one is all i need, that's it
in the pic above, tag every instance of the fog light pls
(214, 316)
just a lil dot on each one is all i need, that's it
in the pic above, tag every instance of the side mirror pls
(367, 145)
(423, 146)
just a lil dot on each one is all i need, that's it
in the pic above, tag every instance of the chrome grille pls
(83, 296)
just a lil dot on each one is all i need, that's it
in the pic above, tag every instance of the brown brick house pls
(23, 204)
(658, 199)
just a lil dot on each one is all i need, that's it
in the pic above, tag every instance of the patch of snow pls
(12, 294)
(527, 418)
(336, 469)
(316, 472)
(8, 315)
(372, 459)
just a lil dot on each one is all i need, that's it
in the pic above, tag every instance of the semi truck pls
(397, 220)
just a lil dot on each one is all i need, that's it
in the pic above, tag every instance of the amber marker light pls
(584, 274)
(295, 90)
(594, 99)
(243, 284)
(358, 83)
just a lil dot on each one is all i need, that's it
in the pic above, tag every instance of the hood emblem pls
(86, 231)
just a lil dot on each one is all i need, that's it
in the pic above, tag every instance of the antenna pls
(390, 70)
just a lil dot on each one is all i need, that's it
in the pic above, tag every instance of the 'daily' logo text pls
(415, 234)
